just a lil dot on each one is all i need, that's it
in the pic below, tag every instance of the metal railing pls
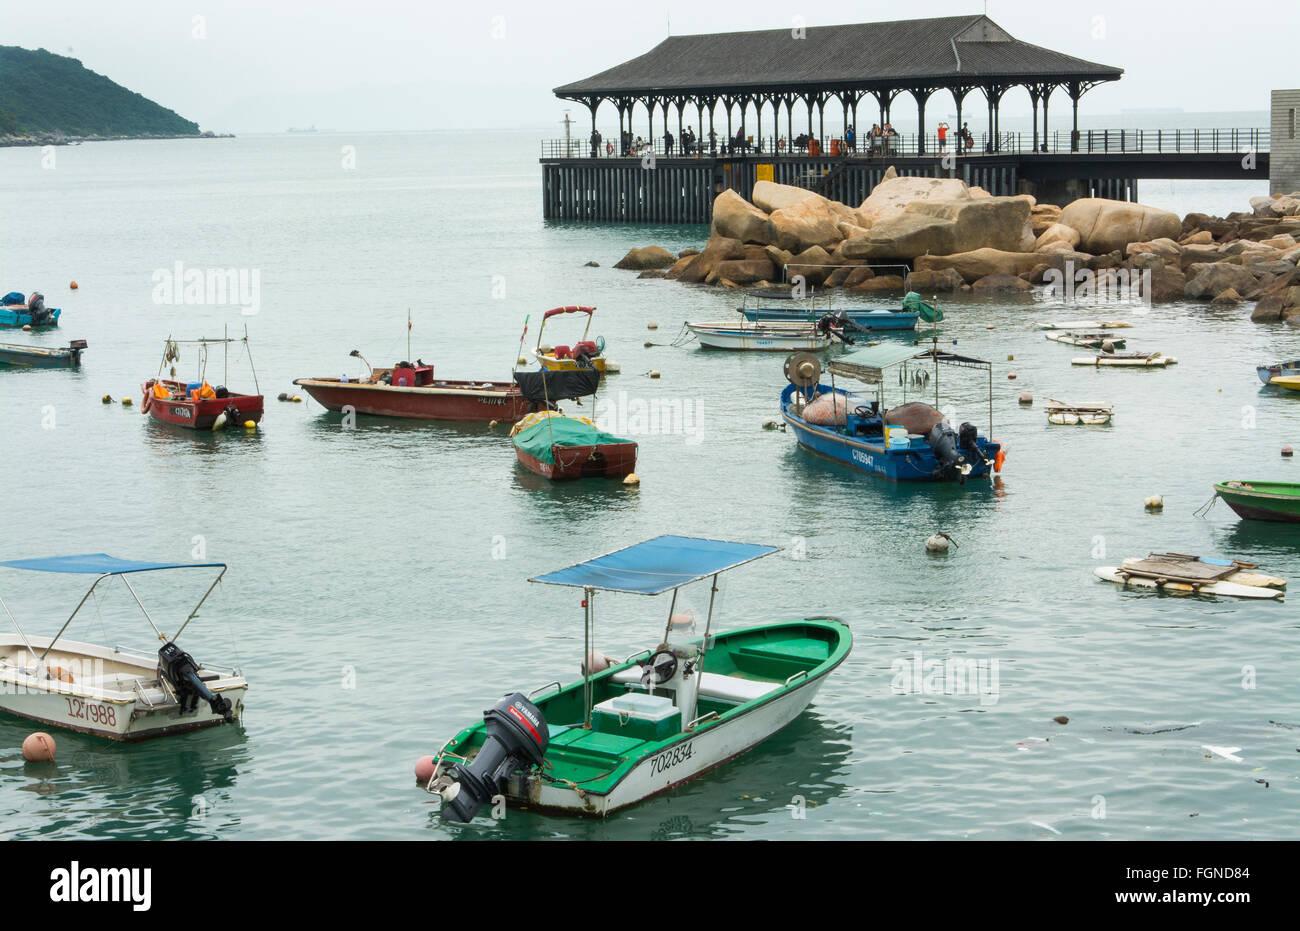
(1055, 142)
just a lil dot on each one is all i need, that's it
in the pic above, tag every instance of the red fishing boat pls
(198, 405)
(560, 447)
(410, 390)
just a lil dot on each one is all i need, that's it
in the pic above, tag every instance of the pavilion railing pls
(1088, 141)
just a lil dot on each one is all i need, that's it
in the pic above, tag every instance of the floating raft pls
(1176, 572)
(1083, 325)
(1061, 412)
(1127, 359)
(1088, 340)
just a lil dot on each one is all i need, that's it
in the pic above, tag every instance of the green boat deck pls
(596, 759)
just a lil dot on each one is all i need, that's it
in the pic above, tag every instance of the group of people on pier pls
(881, 140)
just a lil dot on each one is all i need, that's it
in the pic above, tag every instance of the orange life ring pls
(148, 402)
(999, 459)
(609, 148)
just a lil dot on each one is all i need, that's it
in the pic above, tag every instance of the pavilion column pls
(821, 120)
(1074, 92)
(1047, 93)
(758, 102)
(1033, 98)
(789, 123)
(921, 96)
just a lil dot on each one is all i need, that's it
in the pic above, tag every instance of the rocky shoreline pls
(42, 139)
(939, 235)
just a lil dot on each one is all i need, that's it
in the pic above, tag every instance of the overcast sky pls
(265, 65)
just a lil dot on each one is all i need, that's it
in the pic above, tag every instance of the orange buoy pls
(424, 767)
(63, 675)
(73, 286)
(1000, 458)
(38, 748)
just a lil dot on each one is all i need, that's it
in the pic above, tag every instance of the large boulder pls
(980, 263)
(947, 227)
(878, 284)
(1044, 215)
(1210, 279)
(717, 249)
(812, 264)
(890, 197)
(745, 271)
(943, 279)
(647, 257)
(1165, 248)
(736, 218)
(807, 223)
(770, 196)
(995, 284)
(1280, 300)
(1057, 233)
(1106, 225)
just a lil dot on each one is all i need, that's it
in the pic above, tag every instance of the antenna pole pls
(408, 334)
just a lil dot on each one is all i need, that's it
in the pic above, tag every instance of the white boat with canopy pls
(114, 692)
(663, 716)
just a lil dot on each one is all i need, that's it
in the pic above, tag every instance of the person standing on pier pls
(874, 140)
(713, 142)
(967, 139)
(943, 136)
(595, 143)
(668, 144)
(850, 139)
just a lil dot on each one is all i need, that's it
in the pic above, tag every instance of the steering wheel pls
(862, 411)
(657, 670)
(600, 344)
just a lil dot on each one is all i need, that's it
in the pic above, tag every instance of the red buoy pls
(424, 767)
(38, 748)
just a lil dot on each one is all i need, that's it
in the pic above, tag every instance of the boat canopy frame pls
(567, 309)
(870, 365)
(204, 341)
(103, 567)
(645, 569)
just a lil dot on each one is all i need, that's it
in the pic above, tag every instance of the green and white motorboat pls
(635, 729)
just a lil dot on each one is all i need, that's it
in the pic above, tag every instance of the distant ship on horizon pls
(309, 129)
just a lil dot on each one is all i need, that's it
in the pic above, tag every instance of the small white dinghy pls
(1127, 360)
(112, 692)
(1083, 325)
(1061, 412)
(1101, 341)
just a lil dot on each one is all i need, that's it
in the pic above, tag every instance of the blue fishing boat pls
(17, 311)
(910, 442)
(38, 357)
(1267, 373)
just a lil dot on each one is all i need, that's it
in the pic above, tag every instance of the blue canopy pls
(657, 565)
(101, 564)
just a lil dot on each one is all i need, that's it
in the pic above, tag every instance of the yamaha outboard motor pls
(943, 441)
(182, 674)
(517, 738)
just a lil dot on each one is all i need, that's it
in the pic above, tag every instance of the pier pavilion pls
(775, 86)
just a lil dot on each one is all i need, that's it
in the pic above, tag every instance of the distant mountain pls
(41, 92)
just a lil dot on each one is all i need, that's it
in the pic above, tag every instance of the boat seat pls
(712, 685)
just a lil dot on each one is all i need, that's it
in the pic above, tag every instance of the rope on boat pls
(684, 336)
(1204, 510)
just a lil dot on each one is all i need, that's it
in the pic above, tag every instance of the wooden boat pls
(1127, 360)
(1289, 382)
(653, 722)
(1089, 340)
(1083, 325)
(410, 390)
(1242, 573)
(1267, 373)
(1061, 412)
(912, 442)
(1181, 578)
(584, 353)
(113, 692)
(37, 357)
(198, 405)
(761, 337)
(1288, 369)
(1273, 501)
(559, 447)
(17, 311)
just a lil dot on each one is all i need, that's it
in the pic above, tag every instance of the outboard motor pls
(36, 307)
(966, 441)
(182, 674)
(943, 440)
(517, 738)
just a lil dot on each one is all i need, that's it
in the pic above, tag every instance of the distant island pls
(48, 99)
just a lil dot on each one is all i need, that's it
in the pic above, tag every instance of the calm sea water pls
(376, 598)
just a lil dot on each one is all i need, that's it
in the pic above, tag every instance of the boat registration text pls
(670, 758)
